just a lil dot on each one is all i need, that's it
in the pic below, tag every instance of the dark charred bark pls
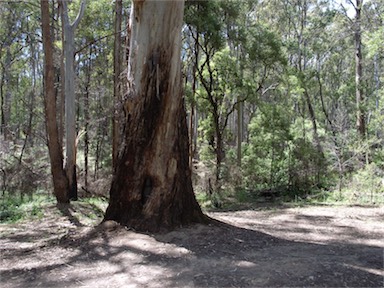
(152, 188)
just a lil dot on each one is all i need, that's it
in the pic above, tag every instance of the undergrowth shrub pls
(15, 208)
(366, 186)
(25, 175)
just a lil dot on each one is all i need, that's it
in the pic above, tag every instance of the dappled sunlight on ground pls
(317, 224)
(301, 247)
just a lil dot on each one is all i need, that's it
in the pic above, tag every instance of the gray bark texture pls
(69, 91)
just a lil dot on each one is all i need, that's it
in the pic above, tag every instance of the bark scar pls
(138, 5)
(147, 190)
(155, 72)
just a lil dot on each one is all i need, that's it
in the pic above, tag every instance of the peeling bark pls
(152, 188)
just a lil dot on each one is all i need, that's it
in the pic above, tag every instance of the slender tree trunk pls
(31, 103)
(377, 74)
(70, 111)
(191, 134)
(152, 187)
(360, 123)
(61, 77)
(60, 181)
(219, 149)
(240, 120)
(316, 137)
(240, 107)
(2, 103)
(70, 103)
(192, 123)
(34, 63)
(217, 143)
(116, 82)
(87, 118)
(6, 103)
(302, 44)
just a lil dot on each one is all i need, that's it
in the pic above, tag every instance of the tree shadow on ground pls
(80, 209)
(214, 255)
(243, 257)
(67, 210)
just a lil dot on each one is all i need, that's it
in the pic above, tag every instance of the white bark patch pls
(145, 34)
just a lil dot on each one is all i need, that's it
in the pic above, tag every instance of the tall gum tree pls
(152, 189)
(360, 121)
(60, 181)
(69, 91)
(116, 79)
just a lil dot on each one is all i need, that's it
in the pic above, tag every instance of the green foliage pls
(15, 208)
(23, 174)
(375, 43)
(206, 17)
(203, 199)
(266, 157)
(277, 156)
(244, 196)
(365, 186)
(270, 55)
(264, 46)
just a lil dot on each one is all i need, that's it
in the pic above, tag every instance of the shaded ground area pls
(300, 247)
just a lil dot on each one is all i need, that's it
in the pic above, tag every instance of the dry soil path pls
(291, 247)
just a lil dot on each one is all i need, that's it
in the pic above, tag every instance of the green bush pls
(13, 209)
(366, 186)
(279, 156)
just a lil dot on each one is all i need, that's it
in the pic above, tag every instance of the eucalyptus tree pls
(69, 91)
(20, 74)
(60, 180)
(373, 62)
(15, 42)
(94, 44)
(152, 187)
(117, 68)
(373, 26)
(8, 35)
(236, 54)
(205, 26)
(213, 66)
(360, 119)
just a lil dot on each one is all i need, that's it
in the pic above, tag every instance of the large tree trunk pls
(116, 81)
(152, 187)
(61, 78)
(60, 181)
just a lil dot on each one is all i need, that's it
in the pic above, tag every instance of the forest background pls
(284, 99)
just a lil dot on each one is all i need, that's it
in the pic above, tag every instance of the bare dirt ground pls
(318, 246)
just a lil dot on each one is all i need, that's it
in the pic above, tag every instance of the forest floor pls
(322, 246)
